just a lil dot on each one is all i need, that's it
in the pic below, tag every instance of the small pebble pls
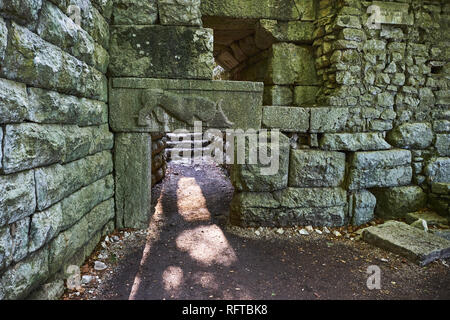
(99, 266)
(303, 232)
(318, 231)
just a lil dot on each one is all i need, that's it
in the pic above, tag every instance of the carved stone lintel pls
(185, 108)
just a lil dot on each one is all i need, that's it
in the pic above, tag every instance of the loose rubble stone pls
(412, 243)
(430, 217)
(411, 135)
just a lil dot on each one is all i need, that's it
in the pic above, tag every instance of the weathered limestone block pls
(432, 218)
(291, 206)
(277, 96)
(19, 231)
(271, 31)
(396, 202)
(438, 170)
(417, 245)
(67, 243)
(132, 159)
(287, 119)
(325, 119)
(48, 291)
(305, 95)
(30, 145)
(83, 201)
(313, 168)
(361, 207)
(31, 60)
(52, 107)
(5, 248)
(411, 135)
(286, 64)
(18, 198)
(57, 28)
(100, 138)
(18, 281)
(380, 169)
(317, 206)
(3, 39)
(353, 141)
(45, 226)
(26, 11)
(443, 144)
(56, 182)
(105, 7)
(163, 52)
(13, 101)
(180, 12)
(135, 12)
(164, 105)
(253, 9)
(249, 177)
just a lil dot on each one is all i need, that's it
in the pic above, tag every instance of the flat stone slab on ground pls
(412, 243)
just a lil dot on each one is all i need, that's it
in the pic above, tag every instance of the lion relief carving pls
(185, 108)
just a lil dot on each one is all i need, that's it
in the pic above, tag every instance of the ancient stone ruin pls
(88, 89)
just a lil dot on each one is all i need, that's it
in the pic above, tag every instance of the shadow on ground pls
(190, 253)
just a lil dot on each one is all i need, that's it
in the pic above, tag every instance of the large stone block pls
(67, 243)
(313, 168)
(18, 197)
(271, 31)
(411, 135)
(31, 60)
(251, 177)
(159, 105)
(396, 202)
(284, 64)
(5, 248)
(438, 170)
(18, 281)
(57, 28)
(13, 101)
(52, 107)
(361, 207)
(132, 159)
(56, 182)
(353, 141)
(287, 119)
(161, 52)
(289, 207)
(180, 12)
(305, 95)
(31, 145)
(388, 168)
(83, 201)
(277, 96)
(135, 12)
(252, 9)
(417, 245)
(45, 226)
(26, 11)
(325, 119)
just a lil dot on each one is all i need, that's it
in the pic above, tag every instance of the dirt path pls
(191, 253)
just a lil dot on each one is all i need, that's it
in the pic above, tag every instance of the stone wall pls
(159, 157)
(56, 182)
(372, 136)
